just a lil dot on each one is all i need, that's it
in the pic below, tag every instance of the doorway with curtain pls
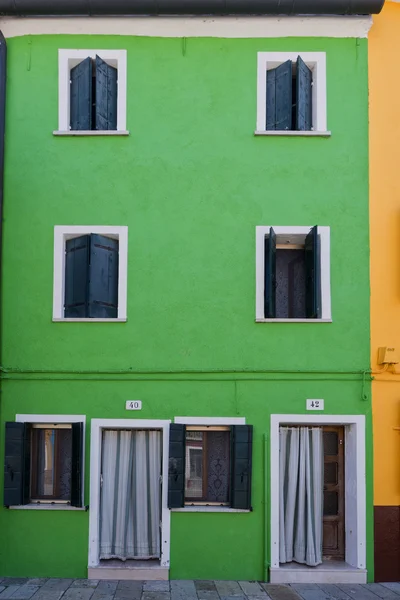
(130, 495)
(311, 494)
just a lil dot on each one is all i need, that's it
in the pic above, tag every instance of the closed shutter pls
(270, 275)
(106, 95)
(81, 96)
(283, 96)
(176, 466)
(103, 277)
(16, 464)
(76, 277)
(76, 464)
(303, 96)
(313, 274)
(241, 456)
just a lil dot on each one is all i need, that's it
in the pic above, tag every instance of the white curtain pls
(130, 495)
(301, 475)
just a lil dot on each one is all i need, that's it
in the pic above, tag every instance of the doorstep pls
(328, 572)
(130, 570)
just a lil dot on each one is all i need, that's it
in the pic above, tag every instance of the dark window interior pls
(51, 464)
(290, 284)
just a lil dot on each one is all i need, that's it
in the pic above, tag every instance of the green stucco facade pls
(191, 182)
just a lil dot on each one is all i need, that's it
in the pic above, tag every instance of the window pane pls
(194, 465)
(218, 448)
(331, 446)
(53, 463)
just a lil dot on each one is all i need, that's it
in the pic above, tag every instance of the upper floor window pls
(90, 273)
(291, 93)
(293, 274)
(92, 92)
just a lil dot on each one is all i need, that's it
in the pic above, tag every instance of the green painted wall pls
(191, 182)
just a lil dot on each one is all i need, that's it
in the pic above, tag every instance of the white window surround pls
(62, 233)
(211, 421)
(53, 420)
(67, 59)
(97, 426)
(316, 61)
(294, 233)
(355, 492)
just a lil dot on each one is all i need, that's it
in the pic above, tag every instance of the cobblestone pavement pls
(91, 589)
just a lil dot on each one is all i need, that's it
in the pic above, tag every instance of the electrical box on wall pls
(387, 356)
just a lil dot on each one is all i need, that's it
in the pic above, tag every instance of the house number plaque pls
(315, 405)
(133, 405)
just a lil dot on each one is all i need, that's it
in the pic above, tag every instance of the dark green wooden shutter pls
(271, 104)
(279, 97)
(303, 96)
(16, 464)
(76, 277)
(283, 96)
(270, 275)
(313, 274)
(106, 95)
(76, 464)
(176, 466)
(241, 457)
(103, 277)
(81, 96)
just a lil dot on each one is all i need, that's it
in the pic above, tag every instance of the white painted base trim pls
(131, 574)
(295, 133)
(89, 132)
(56, 320)
(46, 507)
(320, 574)
(219, 509)
(293, 320)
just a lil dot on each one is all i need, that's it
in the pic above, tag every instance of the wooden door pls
(333, 515)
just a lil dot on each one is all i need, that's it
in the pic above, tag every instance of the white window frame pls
(62, 233)
(67, 59)
(55, 420)
(316, 61)
(210, 422)
(296, 234)
(355, 500)
(97, 427)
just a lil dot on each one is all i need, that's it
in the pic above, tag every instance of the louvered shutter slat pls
(76, 277)
(81, 96)
(103, 277)
(303, 96)
(106, 95)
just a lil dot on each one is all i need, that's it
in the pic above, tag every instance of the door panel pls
(333, 515)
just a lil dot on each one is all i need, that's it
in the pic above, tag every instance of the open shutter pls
(16, 464)
(303, 96)
(313, 274)
(283, 96)
(76, 277)
(81, 96)
(106, 95)
(76, 464)
(241, 456)
(271, 104)
(176, 466)
(103, 277)
(270, 275)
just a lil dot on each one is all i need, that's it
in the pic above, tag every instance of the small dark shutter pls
(76, 464)
(16, 464)
(103, 277)
(283, 96)
(270, 276)
(303, 96)
(81, 96)
(76, 277)
(313, 274)
(106, 95)
(242, 444)
(176, 466)
(271, 105)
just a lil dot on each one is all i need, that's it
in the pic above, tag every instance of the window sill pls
(210, 508)
(293, 320)
(296, 133)
(46, 507)
(89, 132)
(85, 320)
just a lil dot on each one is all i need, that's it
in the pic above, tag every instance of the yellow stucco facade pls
(384, 95)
